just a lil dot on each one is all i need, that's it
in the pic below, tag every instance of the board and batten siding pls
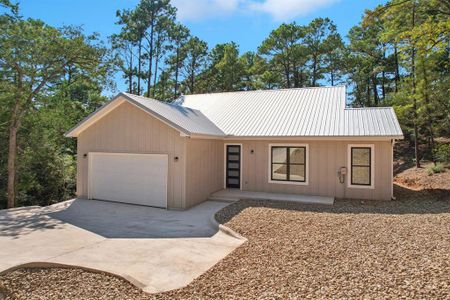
(204, 169)
(325, 159)
(128, 129)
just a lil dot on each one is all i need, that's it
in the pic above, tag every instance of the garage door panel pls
(130, 178)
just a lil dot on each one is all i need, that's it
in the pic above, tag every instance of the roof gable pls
(186, 120)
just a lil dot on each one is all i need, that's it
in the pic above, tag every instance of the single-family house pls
(293, 141)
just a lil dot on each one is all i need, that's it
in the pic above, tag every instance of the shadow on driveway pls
(118, 220)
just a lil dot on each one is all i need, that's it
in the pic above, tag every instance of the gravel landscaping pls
(354, 249)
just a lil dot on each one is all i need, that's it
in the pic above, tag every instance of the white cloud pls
(279, 10)
(284, 10)
(193, 10)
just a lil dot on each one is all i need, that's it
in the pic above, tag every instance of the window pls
(361, 165)
(288, 163)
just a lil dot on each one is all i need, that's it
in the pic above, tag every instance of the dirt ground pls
(418, 178)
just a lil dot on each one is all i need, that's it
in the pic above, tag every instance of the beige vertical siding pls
(204, 169)
(325, 159)
(130, 129)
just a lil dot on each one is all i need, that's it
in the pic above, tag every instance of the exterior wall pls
(129, 129)
(325, 159)
(204, 169)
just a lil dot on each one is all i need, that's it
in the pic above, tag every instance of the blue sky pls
(246, 22)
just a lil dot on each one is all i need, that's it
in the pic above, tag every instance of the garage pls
(129, 178)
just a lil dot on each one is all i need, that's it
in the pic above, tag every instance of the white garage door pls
(129, 178)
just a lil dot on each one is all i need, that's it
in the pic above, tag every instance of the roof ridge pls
(271, 90)
(162, 102)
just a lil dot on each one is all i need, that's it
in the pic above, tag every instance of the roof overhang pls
(313, 138)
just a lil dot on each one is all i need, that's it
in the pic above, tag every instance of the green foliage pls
(50, 78)
(442, 152)
(437, 168)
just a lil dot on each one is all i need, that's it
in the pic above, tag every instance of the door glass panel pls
(233, 165)
(279, 155)
(233, 173)
(297, 155)
(361, 156)
(279, 171)
(233, 181)
(297, 172)
(233, 157)
(232, 149)
(361, 175)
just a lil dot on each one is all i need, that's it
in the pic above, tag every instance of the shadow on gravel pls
(408, 202)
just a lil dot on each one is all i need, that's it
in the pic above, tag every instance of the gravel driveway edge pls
(223, 228)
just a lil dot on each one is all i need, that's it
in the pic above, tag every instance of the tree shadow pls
(408, 201)
(118, 220)
(25, 220)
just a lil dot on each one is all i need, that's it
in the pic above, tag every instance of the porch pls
(237, 194)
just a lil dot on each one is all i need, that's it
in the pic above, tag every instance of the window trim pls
(371, 167)
(269, 173)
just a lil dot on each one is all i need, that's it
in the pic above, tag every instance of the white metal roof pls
(304, 112)
(189, 120)
(309, 112)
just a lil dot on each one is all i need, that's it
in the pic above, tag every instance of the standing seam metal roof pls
(292, 112)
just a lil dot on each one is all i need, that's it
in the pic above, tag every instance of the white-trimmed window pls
(361, 165)
(288, 164)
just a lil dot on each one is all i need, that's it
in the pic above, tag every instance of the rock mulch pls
(65, 283)
(354, 249)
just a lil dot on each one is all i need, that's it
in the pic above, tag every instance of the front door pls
(233, 166)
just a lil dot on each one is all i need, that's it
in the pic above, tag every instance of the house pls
(294, 141)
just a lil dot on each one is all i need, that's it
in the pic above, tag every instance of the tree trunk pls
(177, 66)
(383, 76)
(428, 110)
(332, 78)
(413, 74)
(314, 77)
(150, 59)
(397, 70)
(130, 73)
(139, 67)
(192, 79)
(296, 79)
(155, 75)
(375, 90)
(368, 92)
(12, 153)
(287, 73)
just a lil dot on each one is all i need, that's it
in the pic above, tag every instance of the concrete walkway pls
(156, 249)
(236, 194)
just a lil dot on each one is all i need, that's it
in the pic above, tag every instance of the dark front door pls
(233, 166)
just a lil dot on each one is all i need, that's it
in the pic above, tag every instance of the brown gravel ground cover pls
(354, 249)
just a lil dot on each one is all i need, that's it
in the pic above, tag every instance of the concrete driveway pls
(156, 249)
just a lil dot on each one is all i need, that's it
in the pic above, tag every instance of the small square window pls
(288, 163)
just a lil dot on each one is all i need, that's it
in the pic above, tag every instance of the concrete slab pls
(155, 248)
(236, 194)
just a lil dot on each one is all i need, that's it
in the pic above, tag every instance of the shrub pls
(437, 168)
(442, 152)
